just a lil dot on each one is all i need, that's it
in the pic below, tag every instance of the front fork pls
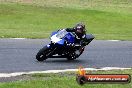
(51, 50)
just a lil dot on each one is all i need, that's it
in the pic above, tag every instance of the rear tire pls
(81, 51)
(71, 56)
(42, 54)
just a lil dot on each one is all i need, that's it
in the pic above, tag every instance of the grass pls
(38, 18)
(64, 80)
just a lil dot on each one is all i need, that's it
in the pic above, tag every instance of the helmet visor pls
(79, 29)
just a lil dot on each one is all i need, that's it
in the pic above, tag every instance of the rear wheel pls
(80, 51)
(75, 54)
(43, 54)
(71, 56)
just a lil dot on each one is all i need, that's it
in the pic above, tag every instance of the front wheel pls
(43, 54)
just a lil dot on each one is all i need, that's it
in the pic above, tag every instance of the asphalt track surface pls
(18, 55)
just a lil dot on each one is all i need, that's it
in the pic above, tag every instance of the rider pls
(79, 31)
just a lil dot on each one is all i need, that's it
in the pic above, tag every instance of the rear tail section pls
(89, 38)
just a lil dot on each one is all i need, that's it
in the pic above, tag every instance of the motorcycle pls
(63, 45)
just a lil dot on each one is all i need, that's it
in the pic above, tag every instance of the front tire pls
(42, 54)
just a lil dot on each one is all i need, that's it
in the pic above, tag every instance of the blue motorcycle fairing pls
(61, 42)
(69, 38)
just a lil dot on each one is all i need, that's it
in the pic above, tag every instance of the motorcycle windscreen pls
(70, 38)
(60, 36)
(53, 33)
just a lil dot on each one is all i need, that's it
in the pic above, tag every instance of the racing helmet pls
(80, 29)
